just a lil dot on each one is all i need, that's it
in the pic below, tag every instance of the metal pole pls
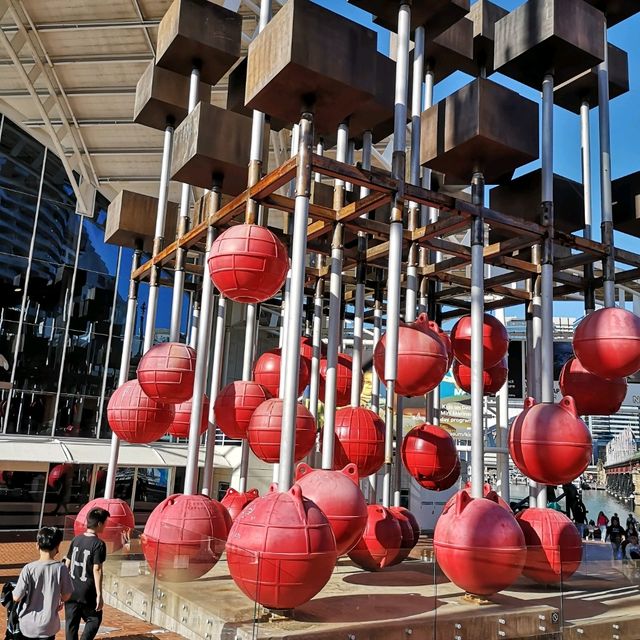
(158, 241)
(202, 362)
(375, 380)
(294, 311)
(183, 227)
(477, 355)
(214, 386)
(316, 341)
(502, 429)
(25, 291)
(608, 262)
(395, 239)
(125, 360)
(585, 144)
(335, 306)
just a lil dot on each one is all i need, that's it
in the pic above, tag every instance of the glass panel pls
(20, 498)
(151, 490)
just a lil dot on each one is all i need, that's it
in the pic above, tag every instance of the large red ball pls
(549, 443)
(338, 494)
(180, 426)
(410, 531)
(184, 537)
(234, 501)
(429, 455)
(281, 550)
(135, 417)
(495, 341)
(381, 542)
(344, 370)
(592, 394)
(607, 343)
(267, 372)
(479, 545)
(235, 405)
(359, 440)
(119, 523)
(493, 379)
(265, 430)
(248, 263)
(554, 546)
(422, 358)
(166, 372)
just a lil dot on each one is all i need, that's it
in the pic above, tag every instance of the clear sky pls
(625, 119)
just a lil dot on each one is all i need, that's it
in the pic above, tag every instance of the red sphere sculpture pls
(339, 497)
(554, 546)
(58, 472)
(487, 492)
(267, 372)
(607, 343)
(495, 341)
(119, 523)
(549, 443)
(235, 405)
(381, 542)
(180, 426)
(479, 545)
(592, 394)
(166, 372)
(265, 428)
(422, 358)
(281, 550)
(234, 501)
(493, 379)
(410, 531)
(359, 440)
(306, 349)
(343, 379)
(184, 537)
(429, 455)
(134, 417)
(447, 482)
(248, 263)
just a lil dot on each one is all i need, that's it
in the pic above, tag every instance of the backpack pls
(13, 612)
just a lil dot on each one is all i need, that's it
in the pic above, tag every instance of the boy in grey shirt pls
(43, 587)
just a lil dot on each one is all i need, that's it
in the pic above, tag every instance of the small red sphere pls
(281, 550)
(267, 372)
(184, 537)
(59, 472)
(166, 372)
(430, 456)
(408, 525)
(234, 501)
(592, 394)
(359, 440)
(493, 379)
(235, 405)
(554, 546)
(344, 371)
(495, 340)
(180, 426)
(119, 523)
(479, 545)
(339, 497)
(381, 542)
(422, 358)
(549, 443)
(265, 429)
(248, 263)
(607, 343)
(135, 417)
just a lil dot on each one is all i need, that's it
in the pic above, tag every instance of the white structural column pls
(502, 429)
(585, 145)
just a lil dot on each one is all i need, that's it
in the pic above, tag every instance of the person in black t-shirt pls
(84, 559)
(614, 535)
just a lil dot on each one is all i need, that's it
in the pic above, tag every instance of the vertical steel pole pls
(375, 380)
(316, 341)
(477, 356)
(294, 310)
(335, 306)
(158, 241)
(502, 429)
(395, 238)
(585, 144)
(183, 226)
(125, 360)
(609, 261)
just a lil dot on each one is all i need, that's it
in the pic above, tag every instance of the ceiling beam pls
(84, 25)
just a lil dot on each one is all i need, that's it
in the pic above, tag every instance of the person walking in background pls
(85, 558)
(602, 523)
(580, 516)
(43, 587)
(614, 535)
